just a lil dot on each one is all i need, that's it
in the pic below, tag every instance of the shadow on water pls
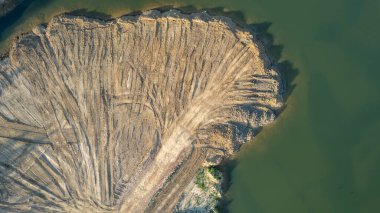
(90, 14)
(286, 68)
(227, 167)
(260, 31)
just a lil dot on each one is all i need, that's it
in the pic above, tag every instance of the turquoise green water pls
(323, 153)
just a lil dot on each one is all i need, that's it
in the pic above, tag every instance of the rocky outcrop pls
(117, 116)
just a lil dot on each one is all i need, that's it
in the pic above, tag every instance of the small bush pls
(200, 179)
(215, 173)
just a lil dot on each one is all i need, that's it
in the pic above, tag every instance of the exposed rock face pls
(118, 116)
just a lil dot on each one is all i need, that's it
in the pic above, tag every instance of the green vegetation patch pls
(200, 179)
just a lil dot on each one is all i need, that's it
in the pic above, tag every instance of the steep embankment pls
(119, 115)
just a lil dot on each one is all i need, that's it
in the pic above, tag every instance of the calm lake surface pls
(323, 153)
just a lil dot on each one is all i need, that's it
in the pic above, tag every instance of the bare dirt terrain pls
(117, 116)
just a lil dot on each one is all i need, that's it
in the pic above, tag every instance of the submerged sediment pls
(8, 5)
(118, 116)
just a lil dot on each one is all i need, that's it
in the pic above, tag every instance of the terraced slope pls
(118, 115)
